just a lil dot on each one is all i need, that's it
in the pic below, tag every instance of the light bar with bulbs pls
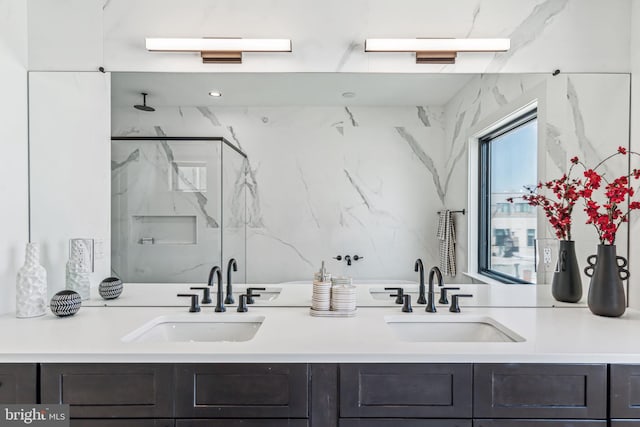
(218, 50)
(436, 51)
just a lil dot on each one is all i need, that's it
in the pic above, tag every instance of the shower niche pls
(178, 207)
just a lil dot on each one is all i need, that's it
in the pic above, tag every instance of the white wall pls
(14, 215)
(573, 35)
(69, 118)
(634, 244)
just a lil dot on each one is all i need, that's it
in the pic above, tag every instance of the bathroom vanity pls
(548, 366)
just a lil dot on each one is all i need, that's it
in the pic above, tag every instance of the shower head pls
(144, 106)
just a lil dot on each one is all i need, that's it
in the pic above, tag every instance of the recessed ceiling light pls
(348, 94)
(215, 94)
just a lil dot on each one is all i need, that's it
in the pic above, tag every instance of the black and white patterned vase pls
(110, 288)
(65, 303)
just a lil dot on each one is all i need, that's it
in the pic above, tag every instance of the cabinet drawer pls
(393, 422)
(110, 390)
(625, 423)
(405, 390)
(624, 392)
(242, 391)
(539, 423)
(242, 423)
(540, 391)
(18, 383)
(121, 423)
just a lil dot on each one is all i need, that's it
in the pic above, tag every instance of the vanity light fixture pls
(215, 94)
(218, 50)
(436, 51)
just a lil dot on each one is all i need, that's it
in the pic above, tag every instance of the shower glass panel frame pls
(178, 207)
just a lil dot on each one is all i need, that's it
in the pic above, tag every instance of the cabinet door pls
(624, 392)
(18, 383)
(243, 423)
(538, 391)
(121, 423)
(230, 390)
(110, 390)
(539, 423)
(405, 390)
(394, 422)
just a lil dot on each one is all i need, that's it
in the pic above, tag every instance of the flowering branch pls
(558, 209)
(607, 217)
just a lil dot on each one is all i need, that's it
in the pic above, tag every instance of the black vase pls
(566, 285)
(606, 292)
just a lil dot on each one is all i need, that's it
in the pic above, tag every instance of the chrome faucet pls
(420, 267)
(231, 265)
(219, 297)
(431, 295)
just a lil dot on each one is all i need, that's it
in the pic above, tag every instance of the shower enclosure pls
(178, 207)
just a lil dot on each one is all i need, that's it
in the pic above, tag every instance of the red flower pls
(574, 160)
(608, 214)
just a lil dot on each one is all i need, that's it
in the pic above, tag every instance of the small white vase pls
(31, 285)
(78, 271)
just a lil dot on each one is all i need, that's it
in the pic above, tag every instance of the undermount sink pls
(197, 328)
(451, 328)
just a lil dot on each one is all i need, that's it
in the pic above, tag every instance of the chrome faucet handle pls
(206, 293)
(195, 306)
(399, 294)
(250, 294)
(443, 294)
(406, 308)
(455, 307)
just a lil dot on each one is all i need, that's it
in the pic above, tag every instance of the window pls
(531, 236)
(508, 165)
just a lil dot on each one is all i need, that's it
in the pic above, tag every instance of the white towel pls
(447, 240)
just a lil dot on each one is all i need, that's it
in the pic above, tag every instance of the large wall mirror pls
(360, 164)
(285, 170)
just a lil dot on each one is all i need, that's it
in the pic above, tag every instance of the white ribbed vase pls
(78, 272)
(31, 285)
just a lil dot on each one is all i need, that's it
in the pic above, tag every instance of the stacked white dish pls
(343, 297)
(321, 298)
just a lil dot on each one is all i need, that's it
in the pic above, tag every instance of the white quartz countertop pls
(290, 334)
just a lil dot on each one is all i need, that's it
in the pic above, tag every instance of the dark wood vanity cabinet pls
(281, 422)
(242, 391)
(405, 390)
(110, 390)
(397, 422)
(122, 423)
(540, 391)
(18, 383)
(540, 423)
(624, 395)
(332, 395)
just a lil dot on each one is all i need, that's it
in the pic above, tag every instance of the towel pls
(447, 241)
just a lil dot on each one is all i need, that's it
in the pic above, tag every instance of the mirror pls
(360, 164)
